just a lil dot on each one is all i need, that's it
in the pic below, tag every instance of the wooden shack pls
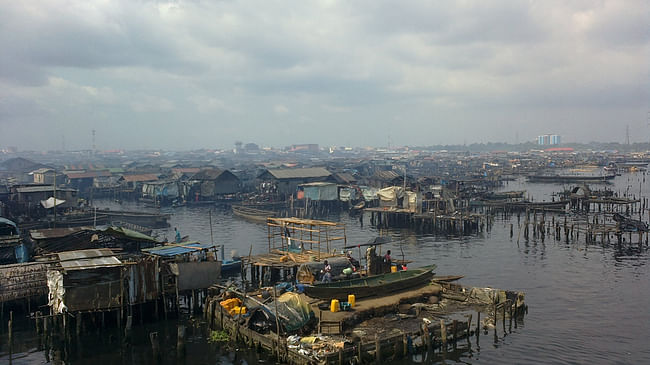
(86, 280)
(185, 268)
(210, 184)
(287, 180)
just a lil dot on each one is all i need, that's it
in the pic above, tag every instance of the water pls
(587, 303)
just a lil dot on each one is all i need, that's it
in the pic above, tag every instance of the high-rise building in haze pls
(548, 139)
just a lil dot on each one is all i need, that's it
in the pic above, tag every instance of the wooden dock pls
(417, 321)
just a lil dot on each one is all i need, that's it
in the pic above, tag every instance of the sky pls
(184, 75)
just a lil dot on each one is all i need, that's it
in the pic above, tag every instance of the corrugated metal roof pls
(88, 259)
(140, 177)
(42, 234)
(38, 189)
(299, 173)
(207, 174)
(386, 175)
(320, 183)
(88, 174)
(176, 249)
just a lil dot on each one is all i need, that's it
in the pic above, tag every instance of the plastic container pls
(237, 310)
(393, 268)
(334, 305)
(351, 300)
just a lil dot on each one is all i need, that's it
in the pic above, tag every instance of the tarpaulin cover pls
(369, 194)
(412, 201)
(294, 311)
(347, 194)
(125, 232)
(321, 192)
(390, 194)
(196, 275)
(56, 291)
(49, 203)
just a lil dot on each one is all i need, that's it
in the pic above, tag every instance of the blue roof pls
(175, 249)
(7, 222)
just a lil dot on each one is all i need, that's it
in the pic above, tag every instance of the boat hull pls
(372, 286)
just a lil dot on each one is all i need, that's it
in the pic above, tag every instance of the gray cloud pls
(280, 73)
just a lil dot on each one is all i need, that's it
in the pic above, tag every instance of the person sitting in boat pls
(327, 272)
(354, 262)
(388, 262)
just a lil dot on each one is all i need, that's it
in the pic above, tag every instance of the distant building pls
(304, 148)
(548, 139)
(555, 139)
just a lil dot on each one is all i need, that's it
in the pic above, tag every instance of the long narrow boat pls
(569, 178)
(252, 214)
(372, 285)
(150, 220)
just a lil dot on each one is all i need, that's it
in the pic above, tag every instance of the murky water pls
(587, 303)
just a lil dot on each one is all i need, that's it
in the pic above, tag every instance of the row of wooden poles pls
(571, 230)
(461, 225)
(49, 325)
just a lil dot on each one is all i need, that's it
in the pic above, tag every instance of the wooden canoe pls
(252, 214)
(376, 285)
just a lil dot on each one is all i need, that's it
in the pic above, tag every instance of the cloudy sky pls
(194, 74)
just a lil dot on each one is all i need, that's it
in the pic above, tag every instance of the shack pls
(210, 184)
(85, 181)
(161, 192)
(52, 240)
(12, 248)
(184, 269)
(287, 180)
(86, 280)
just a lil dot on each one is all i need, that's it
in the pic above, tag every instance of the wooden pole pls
(180, 341)
(377, 349)
(155, 345)
(443, 333)
(10, 326)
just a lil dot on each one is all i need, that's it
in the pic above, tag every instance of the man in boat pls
(354, 262)
(178, 235)
(387, 261)
(327, 272)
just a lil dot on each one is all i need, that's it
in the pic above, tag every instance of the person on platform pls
(327, 272)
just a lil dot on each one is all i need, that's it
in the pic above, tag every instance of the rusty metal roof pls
(88, 259)
(175, 249)
(140, 177)
(43, 234)
(299, 173)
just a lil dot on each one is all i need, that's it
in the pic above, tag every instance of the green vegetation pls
(219, 336)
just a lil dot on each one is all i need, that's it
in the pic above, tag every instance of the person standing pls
(388, 262)
(327, 272)
(178, 235)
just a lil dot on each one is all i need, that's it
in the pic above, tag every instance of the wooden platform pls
(374, 306)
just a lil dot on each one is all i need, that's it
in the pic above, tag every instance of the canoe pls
(569, 178)
(372, 285)
(150, 220)
(231, 265)
(252, 214)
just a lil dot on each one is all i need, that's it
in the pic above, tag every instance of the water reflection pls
(571, 288)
